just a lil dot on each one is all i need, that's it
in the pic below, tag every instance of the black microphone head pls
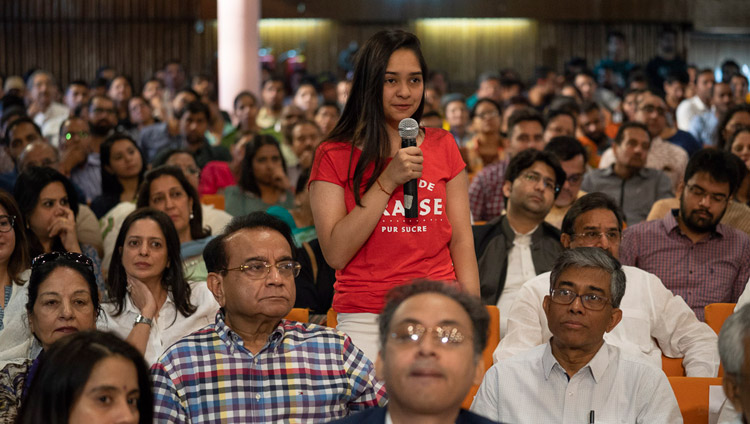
(408, 128)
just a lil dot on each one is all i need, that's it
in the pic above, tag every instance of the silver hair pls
(732, 340)
(592, 257)
(30, 81)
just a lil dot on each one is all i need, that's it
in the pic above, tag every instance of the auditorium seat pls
(217, 200)
(692, 396)
(717, 313)
(299, 314)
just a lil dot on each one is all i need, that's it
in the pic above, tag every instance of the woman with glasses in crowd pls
(487, 145)
(62, 299)
(151, 303)
(90, 377)
(166, 189)
(14, 274)
(122, 170)
(357, 197)
(49, 205)
(14, 257)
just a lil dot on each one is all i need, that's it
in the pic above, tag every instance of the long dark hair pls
(363, 118)
(29, 186)
(65, 369)
(247, 177)
(173, 276)
(19, 260)
(110, 182)
(197, 231)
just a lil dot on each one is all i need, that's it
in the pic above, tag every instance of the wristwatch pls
(140, 319)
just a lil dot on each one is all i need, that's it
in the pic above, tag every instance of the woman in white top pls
(14, 254)
(151, 304)
(14, 265)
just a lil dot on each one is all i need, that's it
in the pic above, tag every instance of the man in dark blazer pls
(431, 340)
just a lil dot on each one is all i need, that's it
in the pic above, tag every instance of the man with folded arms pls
(577, 377)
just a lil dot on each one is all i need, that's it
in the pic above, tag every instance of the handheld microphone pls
(408, 130)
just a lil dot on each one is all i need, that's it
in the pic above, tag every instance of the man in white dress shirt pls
(43, 109)
(654, 321)
(577, 377)
(694, 106)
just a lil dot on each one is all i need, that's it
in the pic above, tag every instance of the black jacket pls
(492, 242)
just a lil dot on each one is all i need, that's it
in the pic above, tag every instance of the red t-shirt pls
(398, 250)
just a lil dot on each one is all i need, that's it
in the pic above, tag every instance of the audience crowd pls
(153, 247)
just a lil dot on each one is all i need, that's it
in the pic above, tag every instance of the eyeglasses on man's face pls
(590, 301)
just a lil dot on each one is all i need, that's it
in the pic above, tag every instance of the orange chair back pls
(692, 397)
(299, 314)
(331, 320)
(717, 313)
(217, 200)
(493, 340)
(672, 367)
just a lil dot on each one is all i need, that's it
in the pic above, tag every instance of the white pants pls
(362, 328)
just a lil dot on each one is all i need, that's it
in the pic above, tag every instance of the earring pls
(191, 216)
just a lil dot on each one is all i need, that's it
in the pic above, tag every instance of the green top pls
(238, 202)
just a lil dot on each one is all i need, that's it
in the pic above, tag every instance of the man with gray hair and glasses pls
(654, 321)
(734, 346)
(577, 377)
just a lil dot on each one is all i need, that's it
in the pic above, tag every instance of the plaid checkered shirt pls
(713, 270)
(486, 191)
(305, 373)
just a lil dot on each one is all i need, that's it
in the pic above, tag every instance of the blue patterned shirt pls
(6, 296)
(304, 373)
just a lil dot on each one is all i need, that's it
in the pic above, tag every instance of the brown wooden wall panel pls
(72, 38)
(465, 52)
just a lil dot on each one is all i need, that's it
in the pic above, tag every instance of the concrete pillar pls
(239, 41)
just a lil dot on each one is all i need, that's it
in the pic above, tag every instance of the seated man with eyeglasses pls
(431, 340)
(252, 365)
(695, 256)
(654, 321)
(515, 247)
(577, 377)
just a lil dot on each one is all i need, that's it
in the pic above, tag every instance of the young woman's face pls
(110, 395)
(52, 204)
(186, 162)
(168, 196)
(63, 306)
(120, 90)
(144, 252)
(741, 147)
(306, 98)
(403, 86)
(124, 160)
(487, 119)
(266, 164)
